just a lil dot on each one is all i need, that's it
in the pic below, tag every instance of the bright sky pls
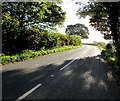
(71, 18)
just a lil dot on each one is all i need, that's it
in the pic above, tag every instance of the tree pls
(77, 29)
(105, 17)
(19, 16)
(29, 13)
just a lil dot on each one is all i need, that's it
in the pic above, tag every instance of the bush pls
(38, 42)
(37, 39)
(112, 58)
(13, 58)
(5, 60)
(100, 45)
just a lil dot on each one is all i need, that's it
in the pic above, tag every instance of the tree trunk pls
(114, 20)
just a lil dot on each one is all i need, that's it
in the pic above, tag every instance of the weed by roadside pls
(30, 54)
(112, 59)
(109, 53)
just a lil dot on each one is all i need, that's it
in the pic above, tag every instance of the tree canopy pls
(105, 17)
(77, 29)
(29, 13)
(17, 17)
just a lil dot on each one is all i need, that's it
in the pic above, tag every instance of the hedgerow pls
(37, 40)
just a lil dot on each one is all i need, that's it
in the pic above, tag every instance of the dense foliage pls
(110, 54)
(19, 17)
(77, 29)
(105, 17)
(100, 45)
(26, 29)
(37, 40)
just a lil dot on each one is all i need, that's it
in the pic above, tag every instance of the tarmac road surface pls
(76, 74)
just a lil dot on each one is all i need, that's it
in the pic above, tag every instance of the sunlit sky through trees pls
(70, 7)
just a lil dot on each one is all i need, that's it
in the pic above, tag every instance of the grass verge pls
(30, 54)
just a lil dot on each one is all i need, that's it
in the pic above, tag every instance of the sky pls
(70, 8)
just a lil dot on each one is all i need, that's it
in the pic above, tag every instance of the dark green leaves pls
(77, 29)
(18, 17)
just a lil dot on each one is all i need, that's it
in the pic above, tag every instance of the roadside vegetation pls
(110, 55)
(29, 31)
(112, 58)
(30, 54)
(26, 25)
(105, 17)
(100, 45)
(39, 43)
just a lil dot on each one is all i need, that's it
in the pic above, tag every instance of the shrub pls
(13, 58)
(5, 60)
(100, 45)
(38, 39)
(110, 53)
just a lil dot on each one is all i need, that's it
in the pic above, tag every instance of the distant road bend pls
(76, 74)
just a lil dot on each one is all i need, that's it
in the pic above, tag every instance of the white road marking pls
(27, 93)
(37, 86)
(72, 61)
(69, 63)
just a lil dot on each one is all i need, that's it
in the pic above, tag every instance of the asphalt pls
(77, 74)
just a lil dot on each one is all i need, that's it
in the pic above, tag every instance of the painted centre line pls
(29, 92)
(71, 61)
(37, 86)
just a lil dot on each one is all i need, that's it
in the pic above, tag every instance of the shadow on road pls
(87, 78)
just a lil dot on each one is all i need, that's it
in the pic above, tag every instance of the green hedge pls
(37, 39)
(37, 42)
(29, 54)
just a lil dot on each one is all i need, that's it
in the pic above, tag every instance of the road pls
(77, 74)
